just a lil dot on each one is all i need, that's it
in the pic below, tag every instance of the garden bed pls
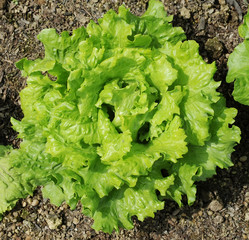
(221, 209)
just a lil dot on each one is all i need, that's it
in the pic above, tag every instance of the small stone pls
(75, 221)
(176, 212)
(231, 211)
(222, 2)
(24, 204)
(53, 221)
(214, 46)
(33, 216)
(69, 224)
(15, 214)
(201, 24)
(35, 202)
(218, 219)
(215, 206)
(27, 223)
(185, 13)
(183, 215)
(210, 213)
(29, 201)
(25, 8)
(243, 158)
(24, 214)
(206, 6)
(36, 17)
(247, 216)
(210, 11)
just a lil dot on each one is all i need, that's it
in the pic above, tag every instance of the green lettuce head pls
(238, 63)
(118, 116)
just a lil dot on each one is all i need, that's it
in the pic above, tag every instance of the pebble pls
(243, 158)
(210, 213)
(247, 216)
(33, 216)
(215, 206)
(69, 224)
(29, 201)
(231, 211)
(218, 219)
(75, 221)
(210, 11)
(185, 13)
(206, 6)
(200, 213)
(35, 202)
(27, 223)
(25, 8)
(222, 2)
(176, 212)
(15, 214)
(53, 221)
(36, 17)
(201, 24)
(215, 46)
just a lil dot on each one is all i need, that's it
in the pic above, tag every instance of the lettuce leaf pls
(109, 111)
(238, 63)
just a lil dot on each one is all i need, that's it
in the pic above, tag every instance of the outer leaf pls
(18, 176)
(117, 209)
(200, 162)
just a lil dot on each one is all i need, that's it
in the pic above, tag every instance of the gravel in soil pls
(221, 209)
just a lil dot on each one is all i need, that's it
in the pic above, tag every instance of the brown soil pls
(221, 209)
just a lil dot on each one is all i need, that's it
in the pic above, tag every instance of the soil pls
(221, 209)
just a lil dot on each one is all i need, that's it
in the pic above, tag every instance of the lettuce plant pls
(119, 116)
(238, 62)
